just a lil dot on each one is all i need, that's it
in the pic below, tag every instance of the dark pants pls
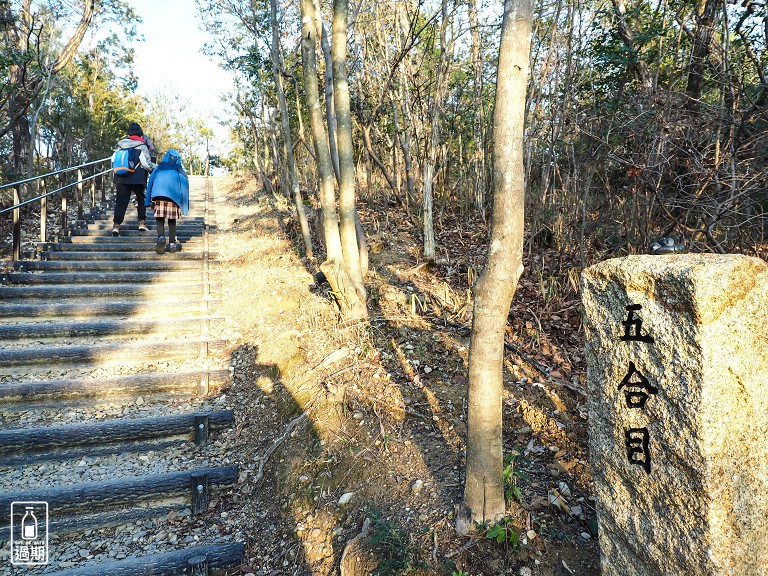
(123, 197)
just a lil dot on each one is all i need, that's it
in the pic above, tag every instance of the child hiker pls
(132, 180)
(168, 194)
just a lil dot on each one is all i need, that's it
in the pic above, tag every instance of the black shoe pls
(160, 245)
(174, 247)
(115, 231)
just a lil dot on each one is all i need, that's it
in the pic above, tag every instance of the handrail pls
(54, 173)
(36, 198)
(64, 226)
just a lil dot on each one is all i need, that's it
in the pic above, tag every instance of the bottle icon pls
(29, 524)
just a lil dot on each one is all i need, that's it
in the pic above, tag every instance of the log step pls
(182, 234)
(91, 309)
(29, 445)
(175, 563)
(99, 278)
(108, 248)
(65, 501)
(104, 290)
(40, 330)
(110, 255)
(158, 263)
(149, 239)
(111, 387)
(105, 354)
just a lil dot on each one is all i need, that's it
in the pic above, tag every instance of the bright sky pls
(170, 60)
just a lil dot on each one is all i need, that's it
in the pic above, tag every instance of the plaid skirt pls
(166, 209)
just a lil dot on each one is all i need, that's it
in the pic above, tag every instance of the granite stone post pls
(677, 376)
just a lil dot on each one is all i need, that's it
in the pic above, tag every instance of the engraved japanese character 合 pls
(633, 323)
(637, 448)
(638, 392)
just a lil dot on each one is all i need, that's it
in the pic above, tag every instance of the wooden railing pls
(99, 168)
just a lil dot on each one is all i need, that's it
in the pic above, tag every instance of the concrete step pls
(32, 393)
(65, 291)
(105, 328)
(86, 309)
(124, 353)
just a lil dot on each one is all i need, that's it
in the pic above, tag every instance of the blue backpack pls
(125, 161)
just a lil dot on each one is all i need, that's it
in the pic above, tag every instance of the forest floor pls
(337, 424)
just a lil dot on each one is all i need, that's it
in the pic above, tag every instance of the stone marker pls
(677, 376)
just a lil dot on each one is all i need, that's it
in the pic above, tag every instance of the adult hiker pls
(131, 165)
(168, 194)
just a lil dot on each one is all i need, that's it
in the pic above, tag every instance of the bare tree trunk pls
(627, 36)
(347, 211)
(330, 113)
(431, 157)
(707, 11)
(483, 489)
(334, 267)
(287, 140)
(478, 121)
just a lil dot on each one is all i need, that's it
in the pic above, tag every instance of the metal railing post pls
(16, 225)
(64, 208)
(103, 189)
(43, 212)
(93, 188)
(79, 194)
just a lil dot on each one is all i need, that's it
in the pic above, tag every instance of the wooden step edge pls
(120, 386)
(109, 493)
(28, 441)
(27, 291)
(108, 354)
(173, 563)
(94, 328)
(142, 277)
(90, 309)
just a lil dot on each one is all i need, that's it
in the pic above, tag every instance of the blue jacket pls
(170, 181)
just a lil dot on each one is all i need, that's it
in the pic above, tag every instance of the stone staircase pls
(106, 363)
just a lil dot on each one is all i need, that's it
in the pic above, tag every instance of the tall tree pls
(483, 489)
(435, 114)
(27, 79)
(334, 268)
(345, 145)
(287, 139)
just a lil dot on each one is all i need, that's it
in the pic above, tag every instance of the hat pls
(135, 130)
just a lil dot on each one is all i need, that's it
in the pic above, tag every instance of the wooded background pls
(643, 119)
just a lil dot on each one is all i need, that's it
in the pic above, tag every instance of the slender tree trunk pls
(287, 139)
(345, 147)
(478, 120)
(323, 157)
(483, 489)
(431, 156)
(707, 11)
(334, 268)
(330, 110)
(627, 35)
